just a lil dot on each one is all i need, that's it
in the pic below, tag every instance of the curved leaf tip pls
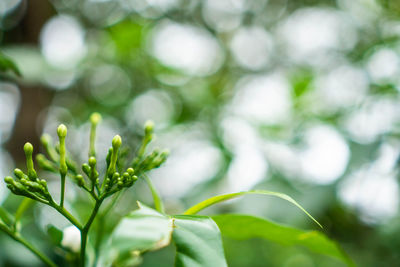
(220, 198)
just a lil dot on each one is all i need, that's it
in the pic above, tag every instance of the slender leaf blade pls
(241, 227)
(217, 199)
(198, 242)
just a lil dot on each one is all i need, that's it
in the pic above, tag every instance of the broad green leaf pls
(198, 242)
(55, 234)
(217, 199)
(143, 229)
(243, 227)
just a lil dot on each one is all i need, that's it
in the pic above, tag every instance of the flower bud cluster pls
(57, 161)
(29, 184)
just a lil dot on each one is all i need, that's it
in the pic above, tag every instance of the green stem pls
(100, 228)
(28, 245)
(62, 190)
(158, 204)
(85, 231)
(68, 216)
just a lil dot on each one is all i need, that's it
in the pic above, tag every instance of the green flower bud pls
(115, 176)
(148, 127)
(8, 180)
(92, 162)
(79, 180)
(86, 169)
(126, 176)
(62, 131)
(108, 158)
(95, 118)
(19, 174)
(44, 163)
(116, 142)
(45, 140)
(131, 171)
(28, 149)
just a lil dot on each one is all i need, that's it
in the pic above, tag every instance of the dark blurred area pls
(300, 97)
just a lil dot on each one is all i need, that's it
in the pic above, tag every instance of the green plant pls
(197, 238)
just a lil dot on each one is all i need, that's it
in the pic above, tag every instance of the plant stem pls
(62, 190)
(85, 231)
(28, 245)
(68, 216)
(158, 204)
(100, 228)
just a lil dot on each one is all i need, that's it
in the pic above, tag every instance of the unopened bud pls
(28, 149)
(92, 162)
(116, 142)
(148, 127)
(62, 131)
(95, 118)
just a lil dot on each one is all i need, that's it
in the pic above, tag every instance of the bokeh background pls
(295, 96)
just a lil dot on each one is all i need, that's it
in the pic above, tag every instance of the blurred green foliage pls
(302, 95)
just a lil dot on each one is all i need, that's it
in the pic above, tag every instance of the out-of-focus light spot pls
(187, 48)
(312, 32)
(106, 130)
(109, 85)
(383, 65)
(6, 167)
(29, 61)
(223, 15)
(373, 189)
(9, 106)
(7, 5)
(249, 167)
(60, 80)
(103, 12)
(363, 11)
(283, 158)
(188, 165)
(376, 117)
(150, 8)
(193, 160)
(50, 118)
(62, 42)
(71, 238)
(236, 132)
(251, 47)
(11, 11)
(325, 157)
(342, 87)
(153, 105)
(265, 99)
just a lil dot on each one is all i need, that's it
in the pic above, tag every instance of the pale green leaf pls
(217, 199)
(142, 230)
(243, 227)
(198, 242)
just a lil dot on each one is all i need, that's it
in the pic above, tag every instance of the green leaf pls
(198, 242)
(143, 229)
(24, 206)
(217, 199)
(243, 227)
(5, 216)
(6, 64)
(55, 234)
